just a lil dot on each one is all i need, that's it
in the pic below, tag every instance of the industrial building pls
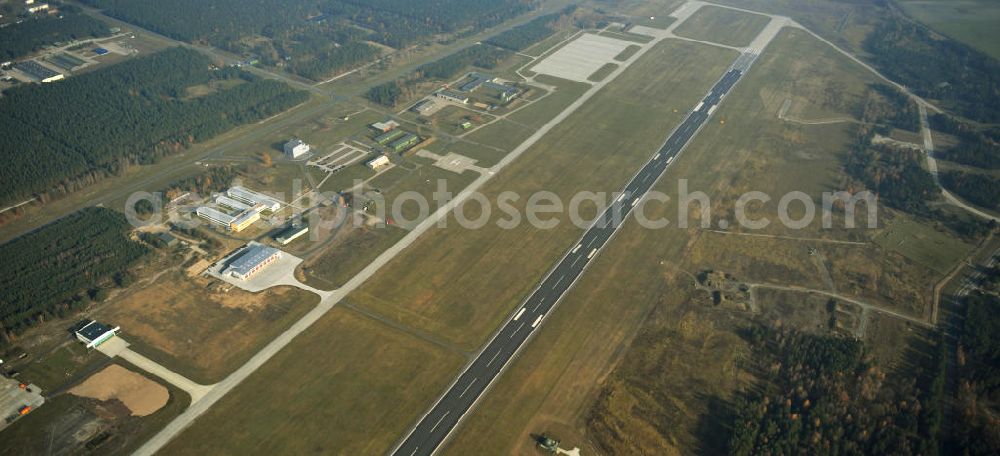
(231, 203)
(296, 148)
(378, 162)
(215, 216)
(423, 107)
(38, 71)
(507, 92)
(251, 260)
(244, 220)
(388, 136)
(452, 95)
(404, 143)
(291, 233)
(253, 198)
(477, 79)
(386, 126)
(93, 333)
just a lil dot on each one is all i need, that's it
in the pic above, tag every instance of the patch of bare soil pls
(141, 395)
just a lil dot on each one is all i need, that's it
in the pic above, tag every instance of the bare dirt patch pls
(141, 395)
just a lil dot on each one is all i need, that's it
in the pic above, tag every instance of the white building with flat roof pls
(231, 203)
(253, 198)
(215, 216)
(251, 260)
(378, 162)
(296, 148)
(93, 333)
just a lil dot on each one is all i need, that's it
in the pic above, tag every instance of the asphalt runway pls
(435, 426)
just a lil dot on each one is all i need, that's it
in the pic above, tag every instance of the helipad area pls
(581, 57)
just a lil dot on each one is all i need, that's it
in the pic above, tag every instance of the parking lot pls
(13, 398)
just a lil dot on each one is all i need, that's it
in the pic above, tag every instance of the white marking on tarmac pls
(670, 159)
(511, 336)
(519, 313)
(591, 255)
(537, 320)
(468, 386)
(493, 358)
(576, 248)
(440, 420)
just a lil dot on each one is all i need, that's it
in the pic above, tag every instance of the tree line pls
(36, 32)
(981, 189)
(824, 395)
(977, 146)
(58, 268)
(524, 35)
(975, 431)
(935, 67)
(60, 137)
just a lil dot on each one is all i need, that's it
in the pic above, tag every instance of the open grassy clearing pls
(67, 423)
(670, 391)
(203, 334)
(723, 26)
(974, 22)
(422, 180)
(596, 149)
(543, 110)
(661, 21)
(502, 134)
(628, 52)
(933, 249)
(62, 363)
(602, 72)
(343, 260)
(348, 385)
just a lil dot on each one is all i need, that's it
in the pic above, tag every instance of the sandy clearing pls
(141, 395)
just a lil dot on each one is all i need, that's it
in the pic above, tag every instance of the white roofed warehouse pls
(251, 260)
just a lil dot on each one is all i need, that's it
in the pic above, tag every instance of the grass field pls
(540, 112)
(628, 52)
(595, 149)
(201, 334)
(602, 72)
(502, 134)
(61, 364)
(671, 389)
(348, 385)
(342, 261)
(974, 22)
(936, 250)
(722, 25)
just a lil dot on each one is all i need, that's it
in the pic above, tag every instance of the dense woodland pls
(976, 430)
(977, 147)
(896, 175)
(525, 35)
(824, 396)
(937, 68)
(57, 138)
(980, 189)
(58, 268)
(314, 38)
(891, 108)
(37, 31)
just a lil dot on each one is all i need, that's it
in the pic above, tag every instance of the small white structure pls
(215, 216)
(452, 95)
(378, 162)
(253, 198)
(38, 7)
(93, 333)
(296, 148)
(251, 260)
(291, 233)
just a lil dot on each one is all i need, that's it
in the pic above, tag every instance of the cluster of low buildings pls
(391, 137)
(244, 208)
(473, 82)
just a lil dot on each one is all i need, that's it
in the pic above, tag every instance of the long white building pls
(231, 203)
(215, 216)
(253, 198)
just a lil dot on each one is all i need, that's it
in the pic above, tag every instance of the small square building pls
(93, 333)
(296, 148)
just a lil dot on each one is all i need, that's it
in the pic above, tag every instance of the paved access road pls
(435, 426)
